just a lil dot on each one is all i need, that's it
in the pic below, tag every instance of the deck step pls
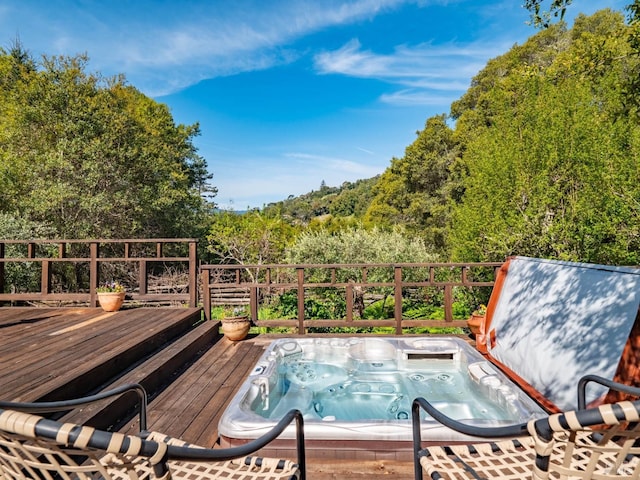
(131, 345)
(154, 374)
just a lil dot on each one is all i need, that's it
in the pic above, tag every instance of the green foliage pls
(415, 190)
(287, 304)
(21, 276)
(554, 170)
(350, 200)
(94, 157)
(542, 18)
(251, 238)
(111, 287)
(540, 157)
(380, 309)
(359, 245)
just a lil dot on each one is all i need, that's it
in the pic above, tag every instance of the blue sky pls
(288, 93)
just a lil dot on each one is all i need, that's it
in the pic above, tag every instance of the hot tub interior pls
(355, 388)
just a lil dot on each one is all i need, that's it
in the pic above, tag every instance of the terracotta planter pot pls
(236, 328)
(476, 324)
(111, 301)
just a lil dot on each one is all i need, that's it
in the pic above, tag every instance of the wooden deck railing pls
(87, 258)
(259, 282)
(85, 264)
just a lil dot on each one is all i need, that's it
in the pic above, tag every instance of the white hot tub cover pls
(551, 322)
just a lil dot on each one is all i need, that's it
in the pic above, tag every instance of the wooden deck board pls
(214, 403)
(191, 407)
(75, 349)
(64, 346)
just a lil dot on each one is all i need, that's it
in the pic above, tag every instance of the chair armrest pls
(62, 405)
(472, 430)
(179, 450)
(619, 387)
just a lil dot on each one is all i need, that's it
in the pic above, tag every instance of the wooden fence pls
(354, 282)
(88, 259)
(85, 264)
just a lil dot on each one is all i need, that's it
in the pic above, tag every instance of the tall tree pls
(251, 238)
(94, 157)
(415, 190)
(554, 170)
(543, 18)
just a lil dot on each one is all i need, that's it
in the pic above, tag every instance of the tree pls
(415, 190)
(251, 238)
(542, 18)
(553, 170)
(94, 157)
(359, 245)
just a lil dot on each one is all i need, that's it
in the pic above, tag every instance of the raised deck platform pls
(190, 371)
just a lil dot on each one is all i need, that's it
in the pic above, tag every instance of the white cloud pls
(416, 97)
(164, 48)
(335, 167)
(425, 68)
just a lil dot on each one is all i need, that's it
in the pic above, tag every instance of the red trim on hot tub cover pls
(481, 340)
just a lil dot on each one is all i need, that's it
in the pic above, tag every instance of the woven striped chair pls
(39, 448)
(598, 443)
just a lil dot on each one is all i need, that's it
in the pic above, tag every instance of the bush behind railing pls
(313, 297)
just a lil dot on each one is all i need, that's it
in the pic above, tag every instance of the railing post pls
(2, 268)
(193, 275)
(397, 298)
(349, 295)
(448, 303)
(45, 277)
(206, 294)
(94, 278)
(143, 281)
(300, 272)
(253, 303)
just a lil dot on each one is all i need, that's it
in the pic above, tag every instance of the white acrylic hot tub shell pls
(239, 422)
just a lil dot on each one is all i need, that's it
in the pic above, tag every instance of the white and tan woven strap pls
(244, 468)
(506, 460)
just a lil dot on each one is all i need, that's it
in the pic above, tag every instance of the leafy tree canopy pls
(92, 156)
(251, 238)
(359, 245)
(347, 200)
(542, 18)
(552, 152)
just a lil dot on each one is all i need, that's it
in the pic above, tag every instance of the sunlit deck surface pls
(190, 371)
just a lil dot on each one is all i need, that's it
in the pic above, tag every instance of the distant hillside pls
(347, 200)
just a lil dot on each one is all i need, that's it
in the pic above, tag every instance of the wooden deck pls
(190, 371)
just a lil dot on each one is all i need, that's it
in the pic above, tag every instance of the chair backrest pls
(35, 447)
(589, 443)
(595, 443)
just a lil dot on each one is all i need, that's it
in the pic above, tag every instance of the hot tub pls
(361, 389)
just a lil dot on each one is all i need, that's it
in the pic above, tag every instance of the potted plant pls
(235, 324)
(111, 296)
(476, 321)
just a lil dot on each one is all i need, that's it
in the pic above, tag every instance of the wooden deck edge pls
(155, 374)
(104, 372)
